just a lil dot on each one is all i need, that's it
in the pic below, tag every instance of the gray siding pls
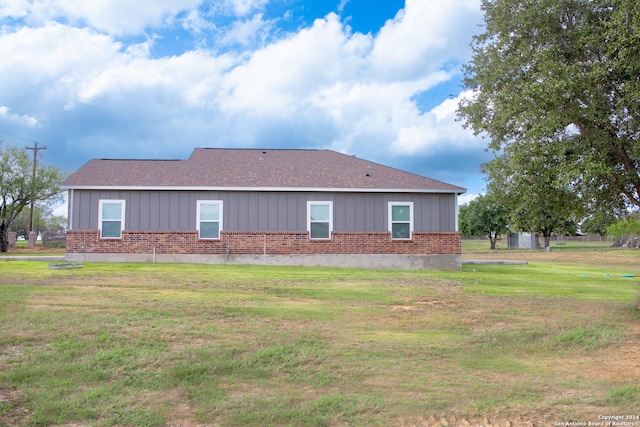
(262, 211)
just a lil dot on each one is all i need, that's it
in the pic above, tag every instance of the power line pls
(16, 136)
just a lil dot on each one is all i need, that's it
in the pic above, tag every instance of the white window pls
(111, 218)
(320, 219)
(401, 220)
(209, 219)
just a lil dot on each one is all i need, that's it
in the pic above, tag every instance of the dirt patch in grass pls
(38, 250)
(181, 414)
(491, 420)
(12, 409)
(445, 299)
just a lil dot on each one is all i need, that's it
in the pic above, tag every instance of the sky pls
(134, 79)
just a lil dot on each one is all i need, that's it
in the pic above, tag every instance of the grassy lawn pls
(556, 340)
(471, 246)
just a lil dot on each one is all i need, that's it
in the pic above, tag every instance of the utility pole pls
(35, 148)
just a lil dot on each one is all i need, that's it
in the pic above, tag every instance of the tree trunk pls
(4, 240)
(547, 240)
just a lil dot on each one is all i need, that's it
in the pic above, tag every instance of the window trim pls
(321, 203)
(391, 222)
(199, 203)
(123, 204)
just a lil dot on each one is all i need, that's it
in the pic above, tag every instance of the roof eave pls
(457, 190)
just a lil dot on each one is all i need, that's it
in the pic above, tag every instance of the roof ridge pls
(140, 160)
(261, 149)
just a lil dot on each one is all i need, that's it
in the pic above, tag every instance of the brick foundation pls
(260, 243)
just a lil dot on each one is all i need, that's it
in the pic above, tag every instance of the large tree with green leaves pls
(485, 216)
(19, 188)
(526, 180)
(563, 77)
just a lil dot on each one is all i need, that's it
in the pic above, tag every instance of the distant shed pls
(523, 240)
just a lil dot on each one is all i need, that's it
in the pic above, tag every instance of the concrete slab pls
(493, 261)
(379, 261)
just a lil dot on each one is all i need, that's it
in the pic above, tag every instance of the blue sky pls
(139, 79)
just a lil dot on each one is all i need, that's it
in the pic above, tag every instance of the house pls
(277, 207)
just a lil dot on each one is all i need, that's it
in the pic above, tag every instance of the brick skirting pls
(262, 243)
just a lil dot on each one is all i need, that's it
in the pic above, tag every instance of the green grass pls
(627, 395)
(565, 280)
(480, 245)
(159, 344)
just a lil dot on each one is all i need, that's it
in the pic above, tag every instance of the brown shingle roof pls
(253, 169)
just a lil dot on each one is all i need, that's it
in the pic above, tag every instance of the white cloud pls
(244, 32)
(338, 73)
(245, 7)
(19, 119)
(281, 76)
(193, 77)
(466, 198)
(323, 86)
(426, 36)
(196, 23)
(225, 25)
(116, 17)
(42, 68)
(13, 8)
(435, 131)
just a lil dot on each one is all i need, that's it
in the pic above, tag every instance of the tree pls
(626, 231)
(548, 216)
(20, 225)
(484, 216)
(598, 223)
(562, 76)
(43, 221)
(19, 188)
(527, 182)
(55, 224)
(627, 227)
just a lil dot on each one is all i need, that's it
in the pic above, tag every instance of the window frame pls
(219, 221)
(410, 222)
(123, 205)
(330, 221)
